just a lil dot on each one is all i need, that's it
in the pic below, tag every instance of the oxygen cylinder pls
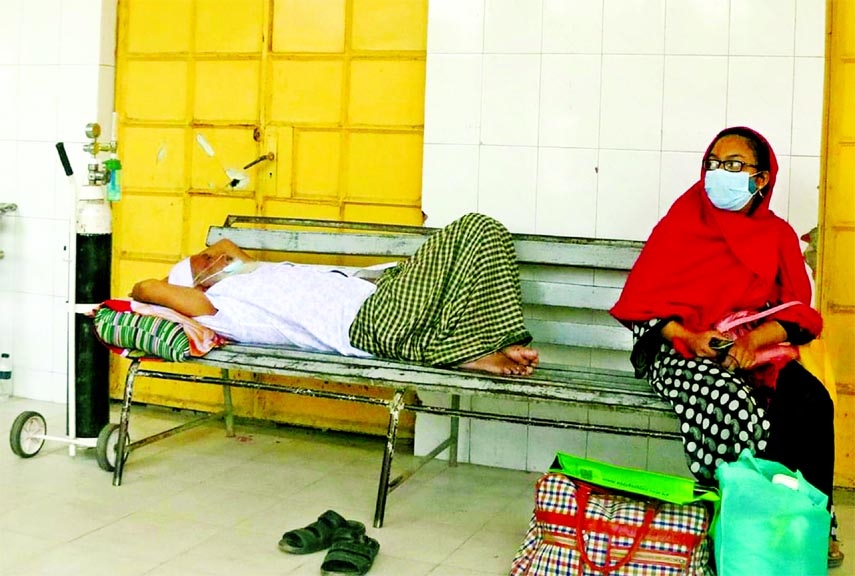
(89, 285)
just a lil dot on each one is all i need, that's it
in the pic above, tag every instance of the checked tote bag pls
(594, 519)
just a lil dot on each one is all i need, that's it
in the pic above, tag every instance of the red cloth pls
(702, 263)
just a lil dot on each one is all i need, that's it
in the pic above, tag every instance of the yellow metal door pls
(334, 89)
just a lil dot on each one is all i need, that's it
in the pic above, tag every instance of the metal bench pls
(568, 284)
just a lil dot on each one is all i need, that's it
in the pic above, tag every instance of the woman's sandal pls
(351, 554)
(835, 556)
(319, 534)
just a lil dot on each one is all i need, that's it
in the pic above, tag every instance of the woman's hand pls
(699, 343)
(696, 344)
(743, 353)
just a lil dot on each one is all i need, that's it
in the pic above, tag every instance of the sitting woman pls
(721, 250)
(456, 302)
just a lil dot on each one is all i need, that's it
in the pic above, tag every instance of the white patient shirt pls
(289, 304)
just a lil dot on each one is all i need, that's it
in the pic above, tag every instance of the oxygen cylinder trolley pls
(89, 252)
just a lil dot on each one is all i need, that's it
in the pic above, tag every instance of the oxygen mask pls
(220, 268)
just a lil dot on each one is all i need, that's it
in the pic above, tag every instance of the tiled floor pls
(200, 504)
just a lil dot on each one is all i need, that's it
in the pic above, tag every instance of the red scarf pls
(702, 263)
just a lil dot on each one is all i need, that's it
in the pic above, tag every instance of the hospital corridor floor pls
(201, 504)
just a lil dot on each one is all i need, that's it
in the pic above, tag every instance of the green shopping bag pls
(771, 522)
(665, 487)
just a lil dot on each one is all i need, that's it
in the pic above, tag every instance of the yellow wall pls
(333, 88)
(836, 286)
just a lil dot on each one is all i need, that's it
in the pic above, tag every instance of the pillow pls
(150, 335)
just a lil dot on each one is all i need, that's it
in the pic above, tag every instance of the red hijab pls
(702, 263)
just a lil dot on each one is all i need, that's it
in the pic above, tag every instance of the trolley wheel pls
(108, 443)
(27, 435)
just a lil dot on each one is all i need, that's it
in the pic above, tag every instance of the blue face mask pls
(729, 190)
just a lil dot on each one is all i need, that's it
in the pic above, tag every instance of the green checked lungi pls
(455, 300)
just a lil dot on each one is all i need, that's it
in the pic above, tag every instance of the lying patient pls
(455, 303)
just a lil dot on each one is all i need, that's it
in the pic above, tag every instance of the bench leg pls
(395, 407)
(228, 407)
(454, 431)
(124, 422)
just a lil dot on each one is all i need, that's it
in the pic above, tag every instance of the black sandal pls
(351, 554)
(319, 534)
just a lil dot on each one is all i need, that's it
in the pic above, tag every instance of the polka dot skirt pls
(718, 416)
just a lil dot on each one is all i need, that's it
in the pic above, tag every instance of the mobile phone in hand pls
(720, 346)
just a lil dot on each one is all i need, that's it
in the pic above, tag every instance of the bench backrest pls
(568, 284)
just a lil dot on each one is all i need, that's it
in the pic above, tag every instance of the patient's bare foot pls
(522, 355)
(499, 363)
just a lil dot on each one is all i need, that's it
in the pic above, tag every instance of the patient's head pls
(207, 267)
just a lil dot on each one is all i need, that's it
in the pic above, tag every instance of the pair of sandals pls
(351, 551)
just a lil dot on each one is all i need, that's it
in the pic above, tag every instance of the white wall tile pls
(38, 100)
(512, 26)
(80, 32)
(570, 100)
(694, 101)
(667, 457)
(64, 191)
(680, 170)
(804, 193)
(543, 443)
(617, 449)
(9, 242)
(807, 106)
(449, 182)
(40, 385)
(453, 99)
(9, 102)
(33, 321)
(498, 443)
(10, 32)
(631, 105)
(697, 27)
(509, 110)
(566, 192)
(40, 32)
(810, 28)
(34, 189)
(79, 103)
(432, 429)
(633, 27)
(9, 170)
(627, 182)
(59, 346)
(61, 240)
(507, 183)
(762, 27)
(761, 97)
(8, 302)
(36, 254)
(572, 26)
(35, 184)
(455, 26)
(780, 203)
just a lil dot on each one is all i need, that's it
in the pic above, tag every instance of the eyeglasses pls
(729, 165)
